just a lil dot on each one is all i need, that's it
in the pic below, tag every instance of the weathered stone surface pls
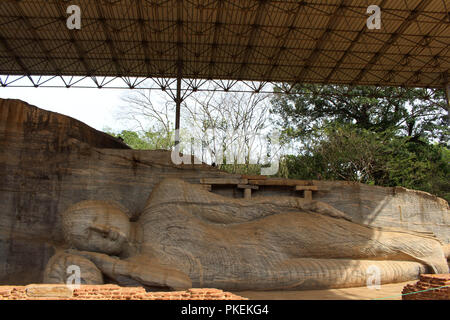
(388, 207)
(48, 291)
(274, 242)
(49, 162)
(188, 237)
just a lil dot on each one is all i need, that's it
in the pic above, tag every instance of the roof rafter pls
(144, 38)
(282, 46)
(266, 41)
(214, 45)
(392, 39)
(73, 40)
(36, 38)
(253, 37)
(332, 22)
(349, 49)
(427, 36)
(109, 40)
(16, 58)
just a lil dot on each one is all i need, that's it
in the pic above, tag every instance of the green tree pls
(420, 166)
(145, 141)
(346, 152)
(411, 112)
(382, 136)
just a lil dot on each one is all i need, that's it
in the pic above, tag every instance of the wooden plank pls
(223, 181)
(279, 182)
(308, 195)
(247, 186)
(302, 188)
(247, 193)
(253, 177)
(206, 187)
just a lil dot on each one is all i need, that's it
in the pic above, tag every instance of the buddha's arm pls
(302, 204)
(152, 275)
(215, 208)
(259, 207)
(245, 208)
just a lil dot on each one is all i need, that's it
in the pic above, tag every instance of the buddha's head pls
(96, 226)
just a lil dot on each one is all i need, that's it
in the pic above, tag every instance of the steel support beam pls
(144, 39)
(109, 40)
(178, 102)
(349, 49)
(216, 37)
(284, 41)
(253, 38)
(179, 99)
(17, 59)
(333, 21)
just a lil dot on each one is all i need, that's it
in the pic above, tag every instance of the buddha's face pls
(96, 226)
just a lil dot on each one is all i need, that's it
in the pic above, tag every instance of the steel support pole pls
(179, 72)
(178, 101)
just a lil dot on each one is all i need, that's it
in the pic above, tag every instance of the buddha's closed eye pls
(109, 232)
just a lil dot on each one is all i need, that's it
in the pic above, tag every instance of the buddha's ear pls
(127, 212)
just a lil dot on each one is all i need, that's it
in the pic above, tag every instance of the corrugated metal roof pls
(314, 41)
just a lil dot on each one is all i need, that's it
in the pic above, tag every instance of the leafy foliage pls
(146, 141)
(411, 112)
(381, 136)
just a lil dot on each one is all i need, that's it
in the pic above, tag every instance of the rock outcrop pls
(189, 237)
(48, 162)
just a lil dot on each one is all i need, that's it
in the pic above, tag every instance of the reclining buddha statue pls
(189, 237)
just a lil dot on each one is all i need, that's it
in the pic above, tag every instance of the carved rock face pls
(96, 226)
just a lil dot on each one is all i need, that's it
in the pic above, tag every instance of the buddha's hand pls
(155, 275)
(325, 209)
(108, 265)
(150, 274)
(58, 269)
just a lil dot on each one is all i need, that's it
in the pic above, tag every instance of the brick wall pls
(430, 283)
(108, 292)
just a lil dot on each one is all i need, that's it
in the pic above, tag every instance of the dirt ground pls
(387, 292)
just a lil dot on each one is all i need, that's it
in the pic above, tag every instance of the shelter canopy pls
(313, 41)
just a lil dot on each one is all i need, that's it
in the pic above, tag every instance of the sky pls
(98, 108)
(95, 107)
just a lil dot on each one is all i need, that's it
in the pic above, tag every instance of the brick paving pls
(108, 292)
(429, 282)
(114, 292)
